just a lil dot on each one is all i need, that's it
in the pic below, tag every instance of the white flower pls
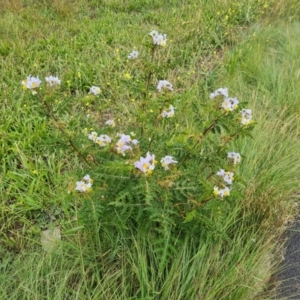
(164, 84)
(146, 164)
(31, 82)
(221, 173)
(150, 157)
(93, 136)
(168, 113)
(226, 105)
(133, 55)
(218, 92)
(158, 39)
(235, 156)
(87, 178)
(227, 176)
(84, 185)
(125, 137)
(230, 104)
(216, 191)
(95, 90)
(246, 122)
(222, 192)
(167, 160)
(110, 123)
(153, 33)
(135, 142)
(123, 143)
(51, 80)
(234, 102)
(246, 113)
(122, 148)
(246, 117)
(103, 140)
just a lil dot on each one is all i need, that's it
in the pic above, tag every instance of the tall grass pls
(130, 270)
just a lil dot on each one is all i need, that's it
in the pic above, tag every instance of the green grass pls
(210, 44)
(126, 266)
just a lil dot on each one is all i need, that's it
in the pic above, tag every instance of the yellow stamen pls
(146, 166)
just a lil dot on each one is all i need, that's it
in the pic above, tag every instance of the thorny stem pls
(205, 132)
(213, 123)
(201, 203)
(157, 119)
(229, 139)
(211, 174)
(49, 111)
(148, 83)
(150, 72)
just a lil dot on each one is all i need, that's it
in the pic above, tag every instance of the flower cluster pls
(146, 164)
(93, 136)
(219, 92)
(95, 90)
(102, 140)
(85, 185)
(221, 192)
(229, 104)
(110, 122)
(235, 156)
(167, 160)
(124, 142)
(227, 176)
(133, 54)
(246, 117)
(168, 113)
(51, 80)
(164, 85)
(31, 82)
(158, 39)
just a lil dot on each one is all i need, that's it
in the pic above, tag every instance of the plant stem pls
(52, 116)
(156, 122)
(229, 139)
(205, 132)
(213, 123)
(150, 72)
(202, 203)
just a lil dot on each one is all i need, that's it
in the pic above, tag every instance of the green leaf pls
(190, 216)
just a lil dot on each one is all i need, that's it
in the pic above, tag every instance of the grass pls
(221, 43)
(130, 273)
